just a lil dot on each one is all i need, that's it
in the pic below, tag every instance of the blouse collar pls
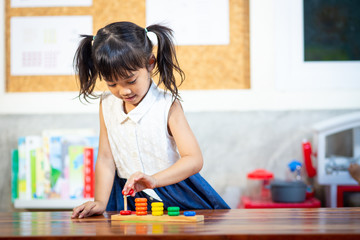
(139, 111)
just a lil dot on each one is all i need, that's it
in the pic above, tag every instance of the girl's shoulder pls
(106, 96)
(109, 101)
(165, 95)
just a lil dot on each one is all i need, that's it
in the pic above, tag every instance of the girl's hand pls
(139, 181)
(354, 170)
(87, 209)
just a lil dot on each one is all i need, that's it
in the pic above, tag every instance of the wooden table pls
(314, 223)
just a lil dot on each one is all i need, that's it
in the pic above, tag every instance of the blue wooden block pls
(189, 213)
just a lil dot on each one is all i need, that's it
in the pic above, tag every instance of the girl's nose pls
(124, 91)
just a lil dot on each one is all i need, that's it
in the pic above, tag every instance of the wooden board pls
(164, 218)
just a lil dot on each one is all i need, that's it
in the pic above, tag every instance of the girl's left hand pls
(139, 181)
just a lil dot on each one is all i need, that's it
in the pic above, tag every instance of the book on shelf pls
(21, 183)
(53, 165)
(76, 171)
(41, 171)
(58, 142)
(26, 145)
(33, 172)
(14, 174)
(88, 172)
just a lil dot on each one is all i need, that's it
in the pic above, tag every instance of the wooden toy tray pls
(164, 218)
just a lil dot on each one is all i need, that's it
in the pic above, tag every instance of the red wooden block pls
(123, 212)
(129, 193)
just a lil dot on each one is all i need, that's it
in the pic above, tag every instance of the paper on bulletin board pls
(45, 45)
(194, 22)
(50, 3)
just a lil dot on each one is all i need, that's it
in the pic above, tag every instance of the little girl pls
(146, 146)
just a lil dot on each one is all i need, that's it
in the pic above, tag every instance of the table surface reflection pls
(312, 223)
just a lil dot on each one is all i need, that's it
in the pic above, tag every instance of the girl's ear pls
(152, 61)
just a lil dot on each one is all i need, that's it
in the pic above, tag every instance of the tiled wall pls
(233, 143)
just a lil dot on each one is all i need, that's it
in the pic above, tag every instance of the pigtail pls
(166, 59)
(85, 69)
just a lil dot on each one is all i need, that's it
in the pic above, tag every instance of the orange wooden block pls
(141, 208)
(139, 213)
(140, 200)
(141, 204)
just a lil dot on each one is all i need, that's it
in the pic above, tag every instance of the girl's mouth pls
(129, 99)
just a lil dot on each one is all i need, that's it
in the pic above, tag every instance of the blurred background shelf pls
(61, 204)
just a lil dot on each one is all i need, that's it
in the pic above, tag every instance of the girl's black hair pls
(120, 48)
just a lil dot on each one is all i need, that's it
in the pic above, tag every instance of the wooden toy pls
(157, 213)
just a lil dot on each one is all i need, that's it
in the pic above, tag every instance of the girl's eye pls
(132, 82)
(111, 85)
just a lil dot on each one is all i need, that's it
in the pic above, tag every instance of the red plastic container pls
(258, 184)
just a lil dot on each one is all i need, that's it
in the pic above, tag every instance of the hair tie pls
(93, 38)
(146, 31)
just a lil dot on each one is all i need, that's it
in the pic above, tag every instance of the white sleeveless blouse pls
(139, 140)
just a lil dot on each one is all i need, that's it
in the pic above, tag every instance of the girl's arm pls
(190, 163)
(104, 177)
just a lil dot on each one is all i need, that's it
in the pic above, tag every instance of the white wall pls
(268, 61)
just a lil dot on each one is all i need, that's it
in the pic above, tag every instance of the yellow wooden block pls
(157, 209)
(157, 204)
(157, 213)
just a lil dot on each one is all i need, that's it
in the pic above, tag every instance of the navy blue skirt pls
(192, 193)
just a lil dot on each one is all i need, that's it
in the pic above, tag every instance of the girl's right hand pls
(354, 170)
(88, 209)
(137, 182)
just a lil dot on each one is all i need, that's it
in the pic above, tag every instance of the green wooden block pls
(173, 209)
(173, 213)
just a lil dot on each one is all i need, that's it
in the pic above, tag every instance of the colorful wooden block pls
(125, 212)
(140, 200)
(189, 213)
(173, 209)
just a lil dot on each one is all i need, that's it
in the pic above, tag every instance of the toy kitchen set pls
(336, 145)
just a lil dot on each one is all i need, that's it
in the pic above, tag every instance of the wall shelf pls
(65, 204)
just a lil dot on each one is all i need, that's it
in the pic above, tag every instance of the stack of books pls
(58, 164)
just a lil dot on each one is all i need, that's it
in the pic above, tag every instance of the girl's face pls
(133, 89)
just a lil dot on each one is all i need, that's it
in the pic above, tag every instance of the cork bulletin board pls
(206, 67)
